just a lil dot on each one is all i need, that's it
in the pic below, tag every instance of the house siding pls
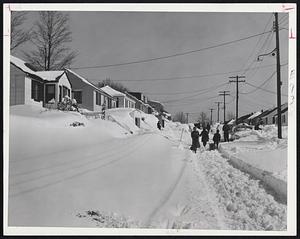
(17, 86)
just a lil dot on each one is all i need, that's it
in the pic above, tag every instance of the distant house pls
(143, 103)
(56, 86)
(122, 100)
(243, 119)
(260, 117)
(156, 105)
(26, 87)
(270, 118)
(87, 95)
(250, 120)
(284, 116)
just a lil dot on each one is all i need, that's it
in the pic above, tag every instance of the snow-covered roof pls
(107, 89)
(231, 121)
(255, 115)
(167, 114)
(49, 75)
(22, 65)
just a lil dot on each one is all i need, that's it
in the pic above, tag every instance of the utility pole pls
(278, 78)
(211, 110)
(224, 93)
(237, 94)
(218, 108)
(187, 118)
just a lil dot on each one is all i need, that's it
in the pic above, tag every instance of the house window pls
(283, 118)
(66, 91)
(98, 98)
(266, 120)
(273, 120)
(50, 92)
(37, 91)
(60, 93)
(77, 95)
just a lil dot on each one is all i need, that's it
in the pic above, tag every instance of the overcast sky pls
(104, 38)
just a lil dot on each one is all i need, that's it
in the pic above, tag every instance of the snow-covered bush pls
(67, 104)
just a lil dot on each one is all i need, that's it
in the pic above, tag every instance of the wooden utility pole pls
(278, 78)
(187, 118)
(224, 93)
(211, 110)
(237, 81)
(218, 108)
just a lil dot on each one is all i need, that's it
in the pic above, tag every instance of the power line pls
(271, 92)
(197, 76)
(204, 91)
(257, 43)
(261, 84)
(173, 55)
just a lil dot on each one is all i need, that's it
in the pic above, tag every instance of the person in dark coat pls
(195, 140)
(158, 125)
(208, 127)
(204, 137)
(226, 132)
(217, 138)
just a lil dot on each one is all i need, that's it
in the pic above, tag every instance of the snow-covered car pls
(241, 127)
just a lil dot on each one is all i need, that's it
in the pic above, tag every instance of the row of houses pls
(48, 88)
(266, 117)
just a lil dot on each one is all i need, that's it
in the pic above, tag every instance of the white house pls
(56, 86)
(26, 87)
(87, 95)
(122, 100)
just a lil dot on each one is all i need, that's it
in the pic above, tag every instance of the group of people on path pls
(205, 137)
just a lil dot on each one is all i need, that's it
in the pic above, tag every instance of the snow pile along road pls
(245, 203)
(261, 154)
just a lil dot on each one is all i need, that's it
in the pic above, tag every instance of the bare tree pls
(180, 117)
(18, 35)
(115, 85)
(50, 36)
(203, 118)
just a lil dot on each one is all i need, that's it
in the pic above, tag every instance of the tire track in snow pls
(108, 152)
(15, 194)
(167, 195)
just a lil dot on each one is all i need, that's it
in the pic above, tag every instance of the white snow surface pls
(262, 149)
(99, 175)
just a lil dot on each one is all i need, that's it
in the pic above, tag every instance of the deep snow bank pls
(35, 131)
(261, 154)
(245, 204)
(125, 117)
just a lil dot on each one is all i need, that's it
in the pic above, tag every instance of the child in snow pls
(217, 138)
(195, 140)
(204, 137)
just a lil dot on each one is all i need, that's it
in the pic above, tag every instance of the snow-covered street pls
(104, 177)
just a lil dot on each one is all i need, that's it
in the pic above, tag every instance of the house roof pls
(283, 111)
(86, 81)
(107, 89)
(23, 66)
(50, 75)
(255, 115)
(231, 121)
(244, 117)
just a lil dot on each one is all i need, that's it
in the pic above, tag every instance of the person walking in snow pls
(208, 127)
(158, 125)
(226, 132)
(204, 137)
(217, 138)
(195, 140)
